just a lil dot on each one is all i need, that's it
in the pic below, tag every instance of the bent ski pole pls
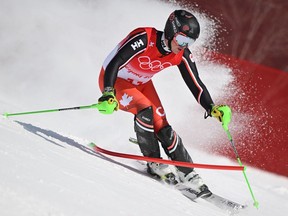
(256, 203)
(51, 110)
(164, 161)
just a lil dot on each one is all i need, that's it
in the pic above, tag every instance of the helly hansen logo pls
(137, 44)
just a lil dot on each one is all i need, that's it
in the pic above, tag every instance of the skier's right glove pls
(108, 103)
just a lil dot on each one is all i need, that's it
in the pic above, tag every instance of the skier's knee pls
(144, 120)
(144, 129)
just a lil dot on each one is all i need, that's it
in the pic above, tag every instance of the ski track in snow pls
(50, 54)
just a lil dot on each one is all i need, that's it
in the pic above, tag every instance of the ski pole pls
(226, 118)
(256, 203)
(105, 107)
(51, 110)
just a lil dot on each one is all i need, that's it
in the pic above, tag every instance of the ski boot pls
(195, 182)
(163, 171)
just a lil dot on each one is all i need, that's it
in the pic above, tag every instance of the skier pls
(125, 81)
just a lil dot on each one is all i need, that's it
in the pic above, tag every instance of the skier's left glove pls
(222, 113)
(108, 103)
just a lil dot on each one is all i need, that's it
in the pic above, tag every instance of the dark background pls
(255, 30)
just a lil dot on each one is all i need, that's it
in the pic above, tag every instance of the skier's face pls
(176, 48)
(183, 40)
(180, 42)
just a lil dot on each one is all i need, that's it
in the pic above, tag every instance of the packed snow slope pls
(50, 55)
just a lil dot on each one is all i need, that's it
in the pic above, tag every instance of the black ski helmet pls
(184, 22)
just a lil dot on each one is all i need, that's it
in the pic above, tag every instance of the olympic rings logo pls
(156, 65)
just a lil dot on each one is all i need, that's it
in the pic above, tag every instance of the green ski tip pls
(5, 115)
(91, 145)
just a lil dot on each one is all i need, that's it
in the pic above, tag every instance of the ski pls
(224, 203)
(216, 200)
(220, 202)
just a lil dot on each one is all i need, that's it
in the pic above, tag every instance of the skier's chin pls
(177, 49)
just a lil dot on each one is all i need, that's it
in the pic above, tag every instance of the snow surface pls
(50, 55)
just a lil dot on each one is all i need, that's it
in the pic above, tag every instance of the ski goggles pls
(183, 41)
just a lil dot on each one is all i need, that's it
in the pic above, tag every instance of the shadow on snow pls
(50, 136)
